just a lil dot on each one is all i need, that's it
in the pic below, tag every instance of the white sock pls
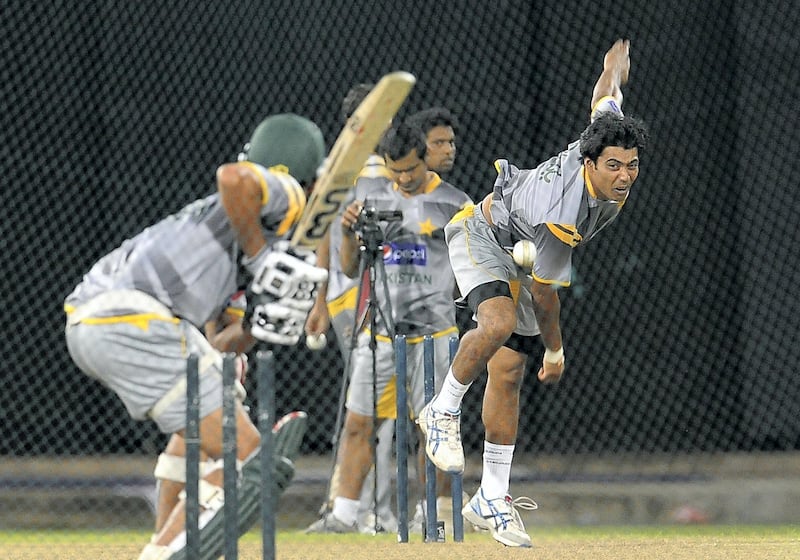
(453, 391)
(345, 510)
(496, 469)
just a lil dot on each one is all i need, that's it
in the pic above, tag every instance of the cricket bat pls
(355, 143)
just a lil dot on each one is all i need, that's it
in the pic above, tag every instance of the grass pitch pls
(552, 543)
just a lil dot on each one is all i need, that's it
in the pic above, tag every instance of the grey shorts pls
(360, 391)
(342, 316)
(144, 363)
(478, 259)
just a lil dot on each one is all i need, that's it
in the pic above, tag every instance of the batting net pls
(681, 319)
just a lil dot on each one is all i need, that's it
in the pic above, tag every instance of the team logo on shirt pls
(405, 254)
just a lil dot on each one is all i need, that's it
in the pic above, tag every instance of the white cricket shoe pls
(442, 438)
(500, 516)
(329, 523)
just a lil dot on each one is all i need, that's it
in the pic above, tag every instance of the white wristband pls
(554, 356)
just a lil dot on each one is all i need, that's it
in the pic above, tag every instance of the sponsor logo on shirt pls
(405, 254)
(401, 278)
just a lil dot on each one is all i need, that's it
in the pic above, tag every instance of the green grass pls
(707, 542)
(591, 533)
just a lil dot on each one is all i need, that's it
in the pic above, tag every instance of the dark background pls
(681, 326)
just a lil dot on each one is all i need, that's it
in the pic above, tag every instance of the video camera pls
(371, 215)
(368, 224)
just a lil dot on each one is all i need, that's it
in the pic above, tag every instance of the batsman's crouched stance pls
(134, 325)
(139, 312)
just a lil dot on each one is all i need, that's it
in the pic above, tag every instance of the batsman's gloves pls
(281, 294)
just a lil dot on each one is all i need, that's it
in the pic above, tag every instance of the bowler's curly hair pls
(613, 129)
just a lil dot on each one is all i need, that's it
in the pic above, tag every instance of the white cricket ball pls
(524, 254)
(316, 341)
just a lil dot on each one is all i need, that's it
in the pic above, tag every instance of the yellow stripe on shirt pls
(565, 233)
(429, 187)
(140, 320)
(344, 302)
(297, 203)
(262, 181)
(466, 212)
(551, 282)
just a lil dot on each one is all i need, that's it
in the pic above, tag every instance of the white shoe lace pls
(521, 502)
(524, 502)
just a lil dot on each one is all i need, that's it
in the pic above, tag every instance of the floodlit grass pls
(539, 534)
(728, 542)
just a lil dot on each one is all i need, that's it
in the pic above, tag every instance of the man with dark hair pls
(440, 127)
(413, 296)
(509, 254)
(335, 305)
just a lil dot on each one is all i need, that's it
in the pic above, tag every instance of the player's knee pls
(173, 467)
(512, 375)
(170, 467)
(507, 369)
(513, 381)
(497, 320)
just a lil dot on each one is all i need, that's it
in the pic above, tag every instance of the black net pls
(680, 320)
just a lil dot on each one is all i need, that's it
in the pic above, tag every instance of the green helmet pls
(290, 140)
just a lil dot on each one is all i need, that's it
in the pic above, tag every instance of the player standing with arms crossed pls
(559, 205)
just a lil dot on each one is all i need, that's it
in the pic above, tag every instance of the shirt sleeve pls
(283, 201)
(606, 104)
(553, 264)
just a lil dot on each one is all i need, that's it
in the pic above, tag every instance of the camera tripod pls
(371, 268)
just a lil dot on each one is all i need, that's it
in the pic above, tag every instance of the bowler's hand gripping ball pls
(316, 341)
(524, 254)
